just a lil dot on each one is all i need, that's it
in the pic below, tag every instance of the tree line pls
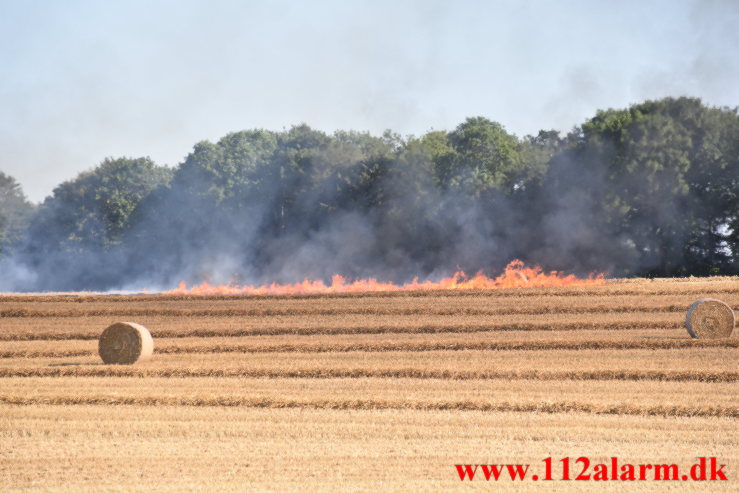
(650, 190)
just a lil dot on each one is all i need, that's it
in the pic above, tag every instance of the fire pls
(515, 275)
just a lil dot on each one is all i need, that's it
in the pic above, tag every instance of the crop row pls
(296, 311)
(402, 346)
(451, 328)
(370, 404)
(117, 371)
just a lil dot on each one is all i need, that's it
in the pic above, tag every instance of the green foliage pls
(536, 153)
(227, 170)
(482, 157)
(94, 209)
(671, 179)
(652, 189)
(15, 212)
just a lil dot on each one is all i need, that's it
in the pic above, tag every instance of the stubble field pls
(365, 391)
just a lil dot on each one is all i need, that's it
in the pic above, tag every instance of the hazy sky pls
(83, 80)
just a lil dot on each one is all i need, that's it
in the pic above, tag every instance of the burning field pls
(365, 386)
(515, 275)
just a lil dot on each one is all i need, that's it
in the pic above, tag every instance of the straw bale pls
(710, 318)
(125, 343)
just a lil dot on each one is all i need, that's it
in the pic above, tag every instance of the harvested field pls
(364, 391)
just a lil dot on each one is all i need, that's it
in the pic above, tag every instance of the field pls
(375, 391)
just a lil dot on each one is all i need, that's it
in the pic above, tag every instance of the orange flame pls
(515, 275)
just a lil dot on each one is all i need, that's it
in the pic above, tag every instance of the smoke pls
(259, 207)
(16, 276)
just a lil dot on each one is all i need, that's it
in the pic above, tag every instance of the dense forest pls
(651, 190)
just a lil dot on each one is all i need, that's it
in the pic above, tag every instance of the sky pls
(84, 80)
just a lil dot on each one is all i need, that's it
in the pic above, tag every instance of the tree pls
(15, 212)
(536, 153)
(93, 211)
(713, 181)
(670, 175)
(485, 157)
(227, 171)
(313, 175)
(652, 189)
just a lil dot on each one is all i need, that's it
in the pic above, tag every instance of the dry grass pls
(612, 397)
(173, 327)
(357, 309)
(174, 448)
(313, 372)
(708, 359)
(453, 342)
(376, 391)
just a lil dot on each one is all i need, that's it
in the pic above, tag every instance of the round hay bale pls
(125, 343)
(709, 318)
